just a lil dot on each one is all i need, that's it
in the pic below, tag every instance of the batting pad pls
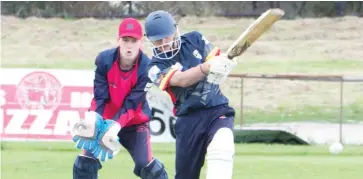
(220, 154)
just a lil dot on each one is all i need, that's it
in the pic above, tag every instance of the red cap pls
(130, 27)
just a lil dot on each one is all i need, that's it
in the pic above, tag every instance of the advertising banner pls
(39, 104)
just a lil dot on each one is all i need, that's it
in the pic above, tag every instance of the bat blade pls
(254, 31)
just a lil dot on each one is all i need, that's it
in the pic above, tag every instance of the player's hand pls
(219, 69)
(108, 143)
(85, 131)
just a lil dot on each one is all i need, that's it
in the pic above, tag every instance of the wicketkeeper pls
(119, 113)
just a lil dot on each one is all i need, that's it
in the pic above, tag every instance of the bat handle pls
(230, 57)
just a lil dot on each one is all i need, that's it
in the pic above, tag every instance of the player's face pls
(165, 44)
(129, 48)
(167, 47)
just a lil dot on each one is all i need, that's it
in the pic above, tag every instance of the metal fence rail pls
(301, 77)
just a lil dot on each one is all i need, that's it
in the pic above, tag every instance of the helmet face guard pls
(159, 25)
(173, 48)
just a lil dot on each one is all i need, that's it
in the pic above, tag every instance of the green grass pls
(36, 160)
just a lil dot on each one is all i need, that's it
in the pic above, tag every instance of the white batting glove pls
(220, 68)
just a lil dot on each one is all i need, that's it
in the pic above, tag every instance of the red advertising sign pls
(40, 107)
(44, 105)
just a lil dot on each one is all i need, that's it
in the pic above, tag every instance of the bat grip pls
(229, 57)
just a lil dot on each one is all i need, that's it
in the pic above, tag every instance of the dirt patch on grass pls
(338, 38)
(288, 95)
(42, 40)
(33, 42)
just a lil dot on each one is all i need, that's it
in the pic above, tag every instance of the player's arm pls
(134, 100)
(190, 76)
(164, 77)
(195, 74)
(100, 87)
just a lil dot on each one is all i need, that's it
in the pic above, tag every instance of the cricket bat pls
(253, 32)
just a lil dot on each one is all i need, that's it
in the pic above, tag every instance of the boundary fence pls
(301, 77)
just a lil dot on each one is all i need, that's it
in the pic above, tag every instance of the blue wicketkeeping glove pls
(97, 136)
(108, 143)
(86, 130)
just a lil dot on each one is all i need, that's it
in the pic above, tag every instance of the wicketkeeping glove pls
(108, 143)
(97, 136)
(85, 131)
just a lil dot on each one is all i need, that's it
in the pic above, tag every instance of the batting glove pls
(220, 68)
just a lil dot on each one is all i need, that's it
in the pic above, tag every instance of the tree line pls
(113, 9)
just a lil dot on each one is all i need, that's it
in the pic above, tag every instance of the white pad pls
(220, 153)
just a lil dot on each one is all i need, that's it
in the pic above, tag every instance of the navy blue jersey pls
(195, 49)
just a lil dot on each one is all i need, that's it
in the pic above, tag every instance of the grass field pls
(29, 160)
(318, 46)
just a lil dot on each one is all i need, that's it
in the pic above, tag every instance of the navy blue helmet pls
(162, 31)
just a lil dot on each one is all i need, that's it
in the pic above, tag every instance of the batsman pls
(190, 69)
(119, 112)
